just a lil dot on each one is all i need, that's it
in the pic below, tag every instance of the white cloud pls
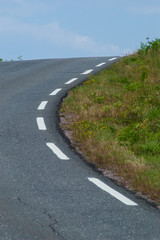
(52, 33)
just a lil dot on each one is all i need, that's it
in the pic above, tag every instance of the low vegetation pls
(115, 120)
(19, 58)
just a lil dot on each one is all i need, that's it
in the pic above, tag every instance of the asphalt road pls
(47, 192)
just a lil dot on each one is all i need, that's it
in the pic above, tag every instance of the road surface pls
(47, 192)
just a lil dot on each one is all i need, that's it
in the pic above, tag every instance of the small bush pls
(150, 46)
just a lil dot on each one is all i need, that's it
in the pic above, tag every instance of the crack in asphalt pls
(52, 225)
(23, 203)
(52, 221)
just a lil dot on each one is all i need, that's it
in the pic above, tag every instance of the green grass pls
(116, 119)
(19, 58)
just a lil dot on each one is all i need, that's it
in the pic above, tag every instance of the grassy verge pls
(115, 120)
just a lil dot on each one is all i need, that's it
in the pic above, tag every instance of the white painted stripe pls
(57, 151)
(55, 91)
(111, 59)
(87, 72)
(112, 192)
(72, 80)
(41, 123)
(101, 64)
(42, 105)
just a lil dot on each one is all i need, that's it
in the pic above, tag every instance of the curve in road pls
(46, 191)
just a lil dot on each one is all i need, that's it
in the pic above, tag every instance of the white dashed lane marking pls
(101, 64)
(87, 72)
(41, 123)
(57, 151)
(72, 80)
(112, 192)
(55, 91)
(111, 59)
(42, 105)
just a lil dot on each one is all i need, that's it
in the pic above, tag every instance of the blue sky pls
(39, 29)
